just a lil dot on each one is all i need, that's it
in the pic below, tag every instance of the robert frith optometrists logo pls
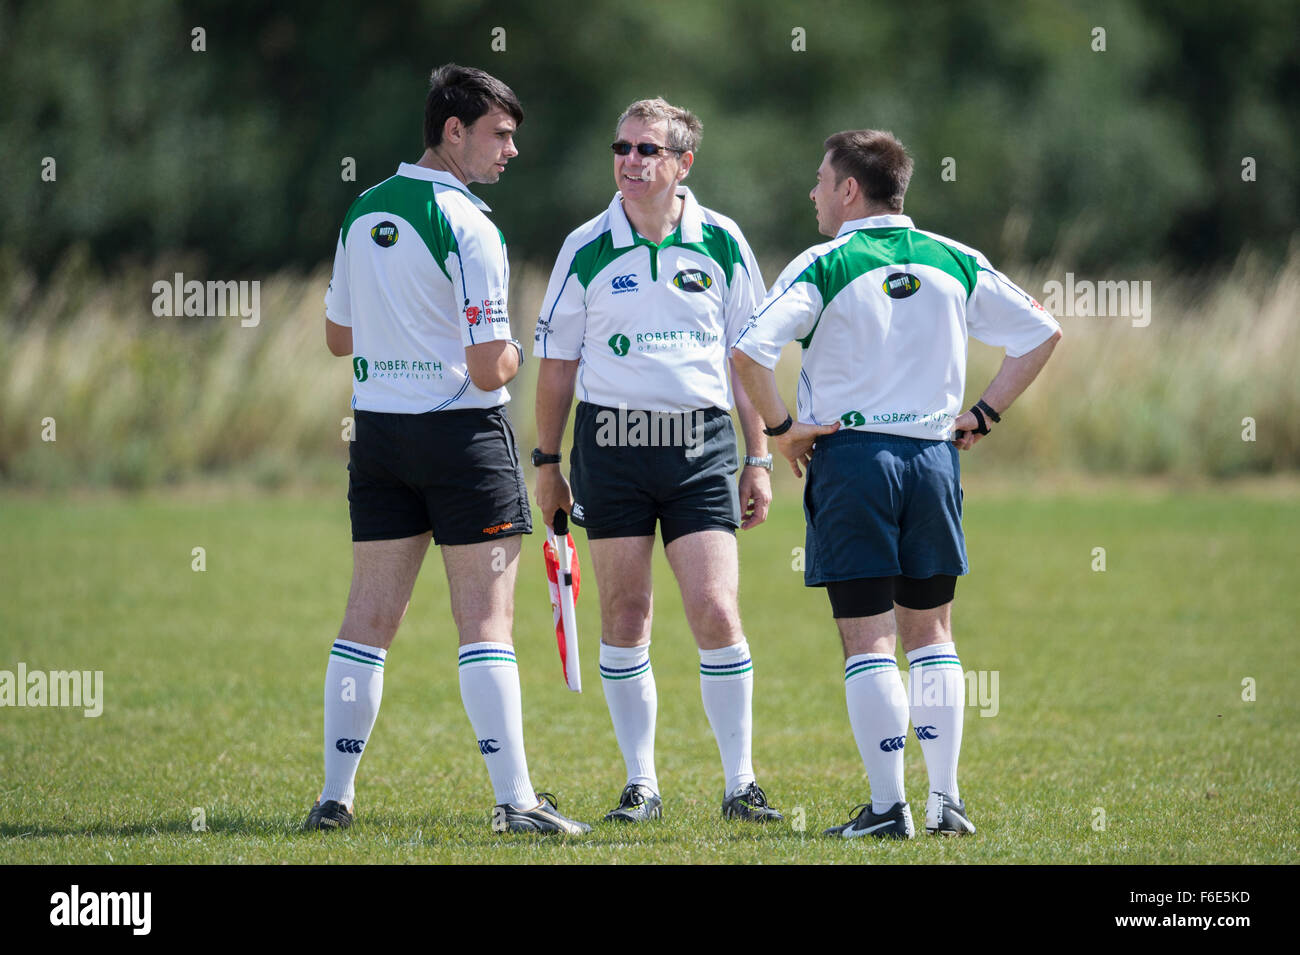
(363, 369)
(674, 339)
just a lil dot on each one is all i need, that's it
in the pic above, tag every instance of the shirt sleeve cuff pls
(758, 353)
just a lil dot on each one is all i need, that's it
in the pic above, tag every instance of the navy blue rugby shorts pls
(880, 505)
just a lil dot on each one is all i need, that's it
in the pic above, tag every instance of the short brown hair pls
(876, 160)
(468, 94)
(684, 127)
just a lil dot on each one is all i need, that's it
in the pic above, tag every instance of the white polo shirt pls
(420, 273)
(650, 322)
(883, 311)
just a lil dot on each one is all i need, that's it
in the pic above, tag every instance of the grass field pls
(1119, 691)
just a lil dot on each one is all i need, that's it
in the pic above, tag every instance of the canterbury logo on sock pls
(486, 746)
(892, 743)
(349, 745)
(926, 732)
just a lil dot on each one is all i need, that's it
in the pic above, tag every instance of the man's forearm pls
(555, 380)
(338, 339)
(751, 423)
(492, 365)
(760, 388)
(1016, 374)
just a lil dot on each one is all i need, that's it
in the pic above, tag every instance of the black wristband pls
(780, 429)
(540, 459)
(979, 415)
(988, 410)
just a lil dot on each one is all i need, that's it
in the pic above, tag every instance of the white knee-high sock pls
(489, 688)
(877, 705)
(727, 688)
(633, 705)
(938, 702)
(354, 685)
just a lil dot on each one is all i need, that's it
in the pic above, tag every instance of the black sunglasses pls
(645, 149)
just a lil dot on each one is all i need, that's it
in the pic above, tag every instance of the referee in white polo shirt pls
(640, 307)
(419, 295)
(882, 313)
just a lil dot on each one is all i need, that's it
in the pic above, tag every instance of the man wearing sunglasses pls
(640, 307)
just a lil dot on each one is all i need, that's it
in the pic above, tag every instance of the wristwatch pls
(519, 347)
(539, 459)
(753, 462)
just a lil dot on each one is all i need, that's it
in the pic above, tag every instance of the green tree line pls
(1169, 136)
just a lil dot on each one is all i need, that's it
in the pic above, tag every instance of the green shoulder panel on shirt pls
(871, 249)
(413, 200)
(924, 250)
(721, 246)
(593, 257)
(717, 243)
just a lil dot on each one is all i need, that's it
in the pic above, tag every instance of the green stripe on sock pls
(867, 668)
(377, 664)
(729, 673)
(481, 659)
(628, 676)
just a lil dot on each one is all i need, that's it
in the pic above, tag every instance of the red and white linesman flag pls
(562, 576)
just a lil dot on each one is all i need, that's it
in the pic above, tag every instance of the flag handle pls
(568, 613)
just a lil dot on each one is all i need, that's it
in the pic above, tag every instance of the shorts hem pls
(482, 538)
(680, 531)
(621, 530)
(385, 536)
(824, 579)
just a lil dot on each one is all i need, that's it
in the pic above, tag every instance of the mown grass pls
(140, 401)
(1118, 690)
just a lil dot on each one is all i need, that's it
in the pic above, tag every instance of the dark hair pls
(467, 94)
(876, 160)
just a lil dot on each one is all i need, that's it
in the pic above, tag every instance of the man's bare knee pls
(875, 634)
(481, 584)
(715, 621)
(371, 626)
(924, 628)
(629, 621)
